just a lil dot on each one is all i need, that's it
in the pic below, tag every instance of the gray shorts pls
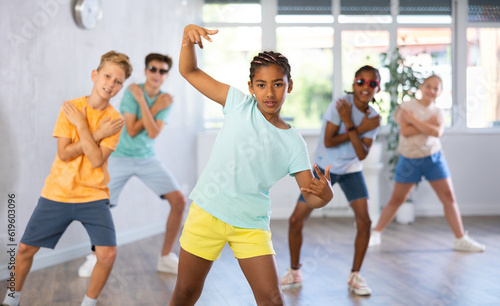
(51, 219)
(149, 170)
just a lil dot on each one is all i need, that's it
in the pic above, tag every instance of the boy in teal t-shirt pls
(146, 109)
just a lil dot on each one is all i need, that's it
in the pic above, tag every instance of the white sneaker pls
(168, 263)
(375, 238)
(291, 279)
(467, 244)
(87, 267)
(357, 284)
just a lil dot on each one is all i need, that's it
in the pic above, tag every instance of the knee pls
(273, 297)
(364, 224)
(26, 251)
(177, 202)
(184, 296)
(296, 222)
(107, 256)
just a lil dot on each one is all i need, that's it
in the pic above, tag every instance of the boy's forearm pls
(148, 121)
(75, 149)
(90, 149)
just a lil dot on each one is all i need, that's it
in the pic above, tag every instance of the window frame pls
(458, 26)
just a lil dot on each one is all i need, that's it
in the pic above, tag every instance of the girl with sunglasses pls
(350, 126)
(421, 124)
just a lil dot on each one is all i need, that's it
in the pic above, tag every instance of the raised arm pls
(316, 192)
(188, 65)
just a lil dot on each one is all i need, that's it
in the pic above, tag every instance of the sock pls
(88, 301)
(12, 301)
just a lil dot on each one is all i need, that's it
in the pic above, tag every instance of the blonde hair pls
(434, 76)
(120, 59)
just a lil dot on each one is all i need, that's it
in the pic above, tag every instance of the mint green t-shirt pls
(140, 146)
(249, 156)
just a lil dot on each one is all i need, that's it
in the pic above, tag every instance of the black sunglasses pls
(154, 69)
(371, 83)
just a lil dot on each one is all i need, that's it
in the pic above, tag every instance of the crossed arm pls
(361, 146)
(89, 142)
(153, 127)
(411, 126)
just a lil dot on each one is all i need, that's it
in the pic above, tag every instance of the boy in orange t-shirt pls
(87, 132)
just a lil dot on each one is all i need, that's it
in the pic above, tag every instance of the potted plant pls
(402, 86)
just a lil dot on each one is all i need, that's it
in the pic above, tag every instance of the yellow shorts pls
(205, 236)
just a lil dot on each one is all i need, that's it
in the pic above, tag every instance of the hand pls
(74, 116)
(137, 92)
(322, 188)
(344, 110)
(108, 127)
(194, 33)
(163, 101)
(368, 124)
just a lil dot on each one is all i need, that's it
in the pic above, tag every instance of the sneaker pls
(357, 284)
(291, 279)
(375, 238)
(467, 244)
(87, 267)
(168, 263)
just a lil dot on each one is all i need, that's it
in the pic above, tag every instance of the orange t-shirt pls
(76, 181)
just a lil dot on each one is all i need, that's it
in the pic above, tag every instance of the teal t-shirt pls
(140, 146)
(249, 156)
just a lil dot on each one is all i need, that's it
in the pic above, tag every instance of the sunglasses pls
(154, 69)
(371, 83)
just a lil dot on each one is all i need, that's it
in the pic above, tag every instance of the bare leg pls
(446, 194)
(177, 203)
(106, 256)
(399, 195)
(296, 224)
(193, 271)
(363, 224)
(23, 262)
(262, 275)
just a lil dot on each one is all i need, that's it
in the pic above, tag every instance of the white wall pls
(46, 59)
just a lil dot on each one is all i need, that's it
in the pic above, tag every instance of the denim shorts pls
(352, 184)
(411, 170)
(51, 219)
(150, 170)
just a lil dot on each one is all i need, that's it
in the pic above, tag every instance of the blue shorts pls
(150, 170)
(411, 170)
(352, 184)
(51, 219)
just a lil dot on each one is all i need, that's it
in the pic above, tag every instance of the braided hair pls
(268, 58)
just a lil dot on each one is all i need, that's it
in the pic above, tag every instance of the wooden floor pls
(415, 265)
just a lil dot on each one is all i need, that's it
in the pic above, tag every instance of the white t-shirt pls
(420, 145)
(342, 158)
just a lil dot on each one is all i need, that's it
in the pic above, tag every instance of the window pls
(327, 41)
(310, 54)
(483, 77)
(428, 50)
(483, 64)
